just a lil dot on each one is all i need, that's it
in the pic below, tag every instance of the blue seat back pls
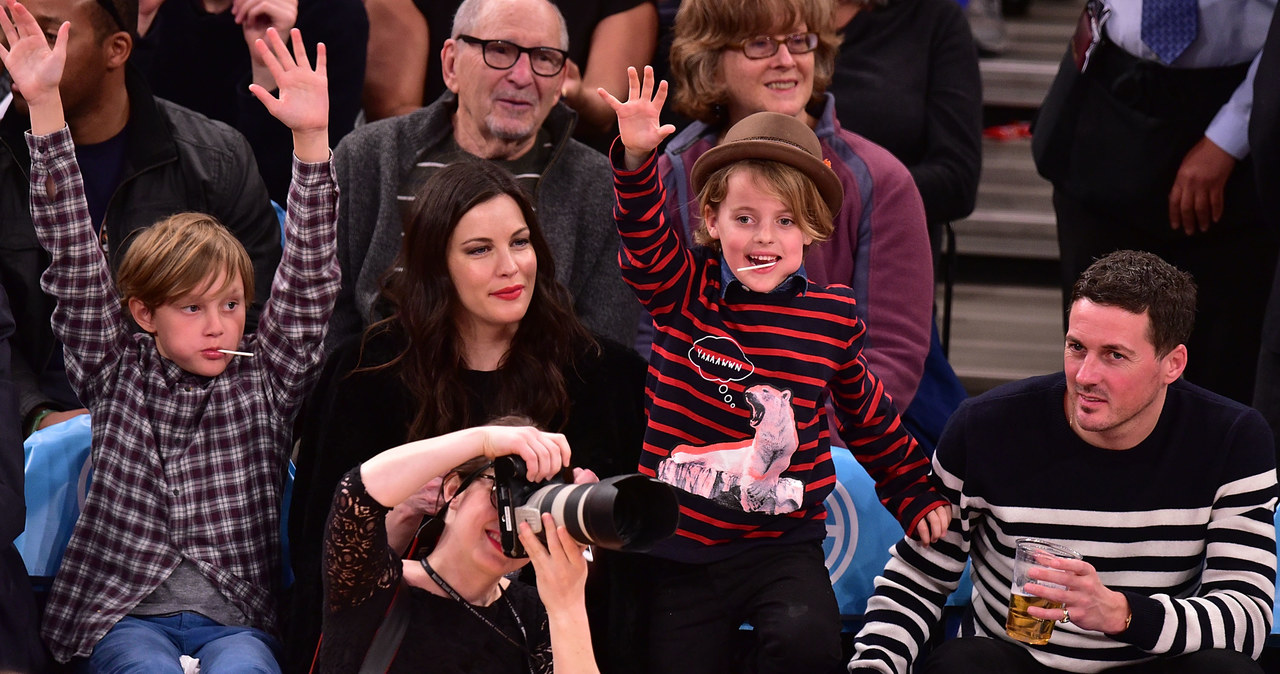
(860, 533)
(58, 470)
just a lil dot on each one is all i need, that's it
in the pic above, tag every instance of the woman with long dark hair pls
(478, 328)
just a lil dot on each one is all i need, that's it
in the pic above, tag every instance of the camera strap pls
(524, 636)
(386, 641)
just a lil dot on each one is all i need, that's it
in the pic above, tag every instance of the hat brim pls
(826, 180)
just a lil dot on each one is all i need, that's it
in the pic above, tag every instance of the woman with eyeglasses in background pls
(459, 610)
(732, 58)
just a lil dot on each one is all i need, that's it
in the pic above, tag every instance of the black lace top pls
(361, 576)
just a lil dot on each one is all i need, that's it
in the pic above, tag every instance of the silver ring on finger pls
(1066, 616)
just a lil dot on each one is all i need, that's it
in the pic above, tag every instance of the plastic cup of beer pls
(1032, 552)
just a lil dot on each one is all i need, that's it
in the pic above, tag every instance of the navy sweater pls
(751, 373)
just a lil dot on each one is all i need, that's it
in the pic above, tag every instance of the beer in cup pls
(1020, 625)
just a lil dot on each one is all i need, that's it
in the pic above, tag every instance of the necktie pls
(1169, 26)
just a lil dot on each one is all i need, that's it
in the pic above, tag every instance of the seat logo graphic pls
(842, 531)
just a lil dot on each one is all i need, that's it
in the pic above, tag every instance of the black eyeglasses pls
(493, 488)
(479, 474)
(502, 55)
(764, 46)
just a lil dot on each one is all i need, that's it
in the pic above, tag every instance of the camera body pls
(627, 512)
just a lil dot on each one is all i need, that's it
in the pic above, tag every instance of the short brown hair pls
(788, 184)
(179, 255)
(704, 28)
(1139, 282)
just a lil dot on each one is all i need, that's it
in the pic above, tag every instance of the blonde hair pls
(788, 184)
(179, 255)
(705, 28)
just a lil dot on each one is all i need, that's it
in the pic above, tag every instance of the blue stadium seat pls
(860, 533)
(57, 470)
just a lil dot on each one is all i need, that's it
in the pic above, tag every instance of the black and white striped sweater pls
(1182, 523)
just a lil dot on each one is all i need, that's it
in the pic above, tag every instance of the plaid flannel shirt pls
(185, 467)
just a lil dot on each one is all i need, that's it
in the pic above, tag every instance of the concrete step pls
(1014, 213)
(1016, 83)
(1002, 333)
(1003, 327)
(1020, 76)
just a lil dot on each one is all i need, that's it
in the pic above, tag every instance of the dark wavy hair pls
(705, 28)
(424, 303)
(1141, 282)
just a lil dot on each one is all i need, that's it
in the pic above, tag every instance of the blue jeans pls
(152, 644)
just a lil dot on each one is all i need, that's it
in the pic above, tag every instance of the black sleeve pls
(947, 175)
(12, 505)
(350, 417)
(607, 410)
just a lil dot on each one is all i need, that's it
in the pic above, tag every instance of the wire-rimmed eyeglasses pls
(764, 46)
(502, 55)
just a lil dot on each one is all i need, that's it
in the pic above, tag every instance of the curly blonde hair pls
(705, 28)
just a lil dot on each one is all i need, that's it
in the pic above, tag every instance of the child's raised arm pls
(303, 102)
(638, 118)
(35, 68)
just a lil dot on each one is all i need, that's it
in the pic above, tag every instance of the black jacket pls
(175, 160)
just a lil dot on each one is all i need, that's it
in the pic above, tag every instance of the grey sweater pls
(574, 200)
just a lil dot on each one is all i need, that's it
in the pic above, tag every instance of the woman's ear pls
(142, 315)
(450, 488)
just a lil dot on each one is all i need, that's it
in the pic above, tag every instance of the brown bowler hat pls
(775, 137)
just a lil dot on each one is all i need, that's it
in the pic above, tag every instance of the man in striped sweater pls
(1168, 491)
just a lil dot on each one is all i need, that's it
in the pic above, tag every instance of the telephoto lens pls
(626, 512)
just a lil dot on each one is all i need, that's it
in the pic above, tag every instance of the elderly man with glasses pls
(504, 67)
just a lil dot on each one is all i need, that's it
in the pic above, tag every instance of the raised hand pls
(35, 68)
(302, 103)
(255, 18)
(638, 118)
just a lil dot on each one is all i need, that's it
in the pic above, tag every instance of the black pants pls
(980, 655)
(784, 592)
(20, 647)
(1232, 270)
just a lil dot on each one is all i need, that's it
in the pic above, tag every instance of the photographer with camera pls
(454, 608)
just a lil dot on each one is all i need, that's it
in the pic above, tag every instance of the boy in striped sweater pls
(747, 355)
(1166, 489)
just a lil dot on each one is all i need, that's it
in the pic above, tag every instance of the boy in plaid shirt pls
(177, 549)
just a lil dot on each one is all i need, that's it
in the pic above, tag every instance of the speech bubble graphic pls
(720, 359)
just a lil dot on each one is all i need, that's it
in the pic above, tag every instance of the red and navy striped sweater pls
(737, 389)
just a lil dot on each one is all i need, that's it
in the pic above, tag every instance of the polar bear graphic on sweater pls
(745, 474)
